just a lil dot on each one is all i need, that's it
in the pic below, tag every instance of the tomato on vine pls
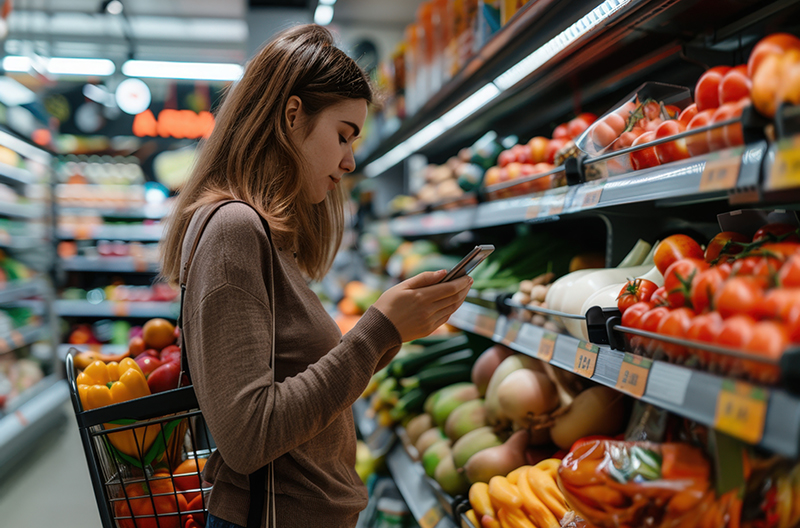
(724, 245)
(678, 280)
(634, 291)
(674, 248)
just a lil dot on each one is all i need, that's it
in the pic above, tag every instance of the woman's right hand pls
(420, 305)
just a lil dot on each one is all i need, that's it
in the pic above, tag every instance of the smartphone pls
(469, 263)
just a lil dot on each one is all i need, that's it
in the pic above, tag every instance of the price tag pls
(547, 346)
(532, 212)
(120, 309)
(742, 410)
(722, 173)
(485, 325)
(785, 171)
(431, 518)
(512, 332)
(558, 207)
(633, 374)
(586, 359)
(592, 197)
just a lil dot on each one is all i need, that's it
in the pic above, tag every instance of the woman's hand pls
(419, 305)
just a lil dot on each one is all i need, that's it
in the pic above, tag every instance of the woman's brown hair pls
(249, 156)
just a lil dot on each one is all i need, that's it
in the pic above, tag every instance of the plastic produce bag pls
(615, 484)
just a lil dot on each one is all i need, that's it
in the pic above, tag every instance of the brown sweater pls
(301, 420)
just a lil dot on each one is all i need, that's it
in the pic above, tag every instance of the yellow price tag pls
(592, 198)
(633, 374)
(558, 208)
(721, 174)
(742, 410)
(785, 171)
(512, 332)
(547, 346)
(532, 211)
(431, 518)
(586, 359)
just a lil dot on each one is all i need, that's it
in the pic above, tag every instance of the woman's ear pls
(294, 107)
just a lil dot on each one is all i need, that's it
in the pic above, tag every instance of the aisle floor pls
(50, 486)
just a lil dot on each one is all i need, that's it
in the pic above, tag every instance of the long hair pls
(250, 157)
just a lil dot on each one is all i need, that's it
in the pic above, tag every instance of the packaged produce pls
(613, 484)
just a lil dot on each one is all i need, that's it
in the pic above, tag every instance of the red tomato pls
(561, 132)
(763, 269)
(776, 43)
(697, 144)
(607, 130)
(649, 322)
(505, 158)
(659, 297)
(704, 328)
(777, 233)
(687, 114)
(706, 93)
(674, 248)
(779, 250)
(678, 280)
(577, 126)
(789, 276)
(769, 340)
(734, 136)
(739, 295)
(725, 243)
(705, 285)
(647, 157)
(675, 324)
(674, 150)
(522, 154)
(651, 110)
(734, 85)
(632, 315)
(634, 291)
(778, 303)
(793, 324)
(716, 136)
(626, 139)
(552, 148)
(538, 148)
(652, 125)
(673, 112)
(735, 332)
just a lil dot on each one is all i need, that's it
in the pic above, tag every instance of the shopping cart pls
(136, 488)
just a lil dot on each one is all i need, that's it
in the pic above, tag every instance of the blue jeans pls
(216, 522)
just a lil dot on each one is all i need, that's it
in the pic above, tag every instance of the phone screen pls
(470, 262)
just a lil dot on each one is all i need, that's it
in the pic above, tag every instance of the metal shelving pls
(109, 264)
(21, 210)
(148, 212)
(14, 291)
(15, 174)
(690, 393)
(128, 233)
(74, 308)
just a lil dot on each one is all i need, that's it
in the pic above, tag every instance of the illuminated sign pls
(180, 124)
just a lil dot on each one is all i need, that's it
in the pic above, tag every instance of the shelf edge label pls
(633, 374)
(721, 172)
(586, 359)
(742, 410)
(547, 346)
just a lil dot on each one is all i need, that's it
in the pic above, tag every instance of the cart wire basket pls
(145, 457)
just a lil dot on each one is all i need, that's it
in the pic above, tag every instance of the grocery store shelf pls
(21, 242)
(64, 348)
(14, 291)
(30, 415)
(109, 264)
(678, 182)
(689, 393)
(21, 210)
(23, 337)
(150, 212)
(15, 174)
(129, 233)
(71, 308)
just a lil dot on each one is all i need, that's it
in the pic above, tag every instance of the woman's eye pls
(342, 139)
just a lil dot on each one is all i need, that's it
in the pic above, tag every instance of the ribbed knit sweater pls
(299, 417)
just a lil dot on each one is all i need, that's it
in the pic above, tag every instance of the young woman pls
(282, 142)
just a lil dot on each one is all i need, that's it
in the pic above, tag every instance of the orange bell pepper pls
(143, 501)
(102, 384)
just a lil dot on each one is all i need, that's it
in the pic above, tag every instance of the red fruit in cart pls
(674, 150)
(675, 324)
(164, 378)
(193, 523)
(171, 353)
(646, 157)
(697, 144)
(774, 44)
(187, 477)
(538, 148)
(777, 231)
(552, 148)
(147, 363)
(158, 333)
(734, 85)
(706, 92)
(678, 280)
(633, 314)
(136, 346)
(725, 243)
(705, 286)
(740, 295)
(673, 248)
(704, 328)
(146, 500)
(196, 519)
(769, 340)
(607, 130)
(152, 352)
(687, 114)
(561, 132)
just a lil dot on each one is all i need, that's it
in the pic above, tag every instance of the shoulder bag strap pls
(258, 479)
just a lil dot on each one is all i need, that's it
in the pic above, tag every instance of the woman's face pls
(328, 147)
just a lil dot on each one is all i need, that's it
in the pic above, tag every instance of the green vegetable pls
(462, 357)
(411, 402)
(437, 377)
(411, 364)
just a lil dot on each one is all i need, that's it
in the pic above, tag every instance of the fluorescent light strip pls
(205, 71)
(509, 78)
(21, 147)
(61, 66)
(13, 63)
(323, 15)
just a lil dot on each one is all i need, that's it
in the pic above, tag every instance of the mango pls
(417, 426)
(450, 479)
(435, 454)
(473, 442)
(428, 438)
(450, 400)
(466, 417)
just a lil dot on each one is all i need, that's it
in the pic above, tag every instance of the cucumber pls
(436, 377)
(462, 357)
(411, 402)
(410, 365)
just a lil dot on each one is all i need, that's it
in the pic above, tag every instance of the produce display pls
(158, 292)
(358, 297)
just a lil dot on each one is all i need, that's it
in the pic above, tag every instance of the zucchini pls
(410, 365)
(411, 402)
(462, 357)
(437, 377)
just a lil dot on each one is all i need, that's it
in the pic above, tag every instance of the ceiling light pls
(88, 67)
(13, 93)
(327, 2)
(133, 96)
(114, 7)
(323, 14)
(203, 71)
(18, 64)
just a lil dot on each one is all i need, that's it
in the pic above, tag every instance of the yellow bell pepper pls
(102, 384)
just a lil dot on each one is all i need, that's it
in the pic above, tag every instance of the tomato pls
(706, 92)
(777, 233)
(649, 322)
(561, 132)
(776, 43)
(659, 297)
(187, 476)
(765, 269)
(155, 497)
(793, 324)
(634, 291)
(626, 139)
(779, 302)
(704, 328)
(552, 149)
(632, 315)
(538, 148)
(739, 295)
(678, 280)
(779, 250)
(652, 125)
(697, 144)
(705, 285)
(522, 154)
(674, 150)
(674, 248)
(768, 81)
(734, 136)
(734, 85)
(673, 112)
(789, 276)
(716, 136)
(736, 332)
(725, 243)
(505, 158)
(769, 340)
(646, 157)
(687, 114)
(675, 324)
(578, 126)
(607, 130)
(651, 110)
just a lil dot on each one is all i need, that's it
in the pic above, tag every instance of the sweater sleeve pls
(253, 419)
